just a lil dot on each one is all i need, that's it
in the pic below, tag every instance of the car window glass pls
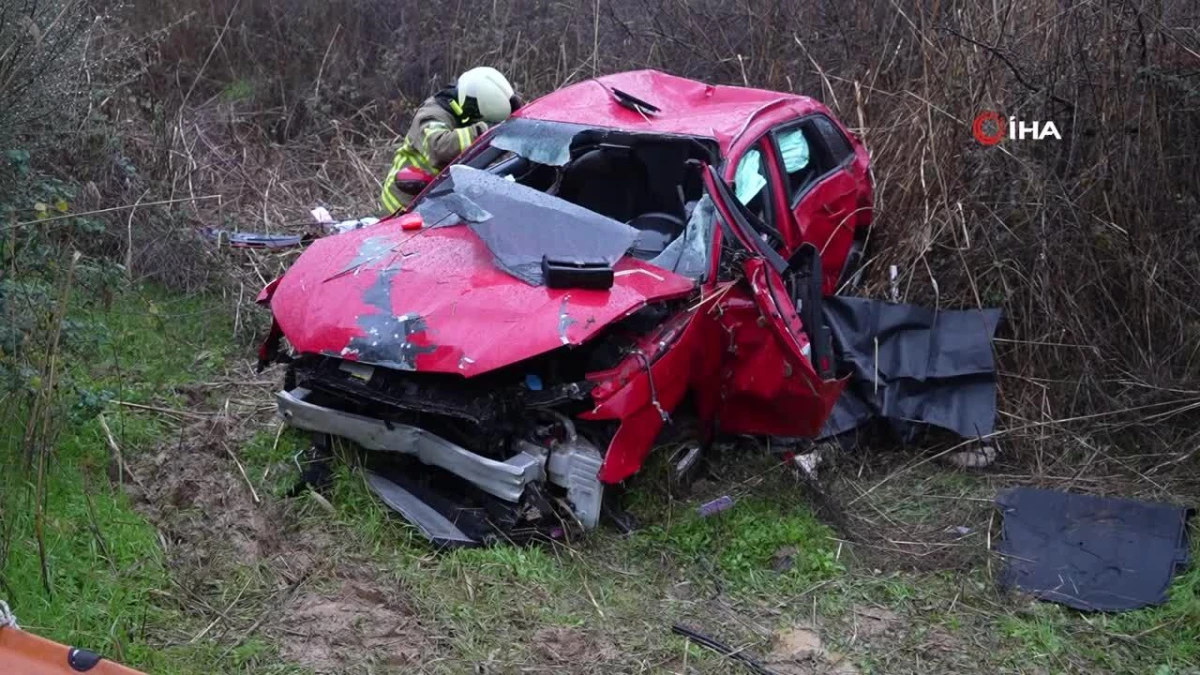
(839, 148)
(804, 157)
(749, 179)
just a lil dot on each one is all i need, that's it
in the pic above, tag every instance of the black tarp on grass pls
(1091, 553)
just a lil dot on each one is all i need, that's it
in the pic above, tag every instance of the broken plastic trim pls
(436, 527)
(506, 480)
(627, 100)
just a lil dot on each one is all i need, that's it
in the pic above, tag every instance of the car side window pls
(809, 150)
(839, 147)
(798, 162)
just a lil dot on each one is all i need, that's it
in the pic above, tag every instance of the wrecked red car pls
(618, 252)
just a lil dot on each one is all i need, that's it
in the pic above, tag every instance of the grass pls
(107, 577)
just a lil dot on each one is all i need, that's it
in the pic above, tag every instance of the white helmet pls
(485, 91)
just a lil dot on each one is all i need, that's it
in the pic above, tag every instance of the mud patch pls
(354, 622)
(325, 607)
(801, 651)
(874, 622)
(561, 644)
(195, 495)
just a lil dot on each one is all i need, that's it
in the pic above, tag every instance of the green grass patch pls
(106, 585)
(759, 544)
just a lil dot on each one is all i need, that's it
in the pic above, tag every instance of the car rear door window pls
(839, 147)
(793, 149)
(808, 151)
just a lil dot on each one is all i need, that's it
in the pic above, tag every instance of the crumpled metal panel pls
(688, 107)
(434, 300)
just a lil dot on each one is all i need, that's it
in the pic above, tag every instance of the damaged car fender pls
(642, 390)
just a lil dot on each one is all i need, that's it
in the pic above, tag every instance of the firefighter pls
(444, 125)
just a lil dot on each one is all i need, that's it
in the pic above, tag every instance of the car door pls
(815, 163)
(769, 383)
(756, 186)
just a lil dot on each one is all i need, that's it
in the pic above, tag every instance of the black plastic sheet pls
(1091, 553)
(913, 365)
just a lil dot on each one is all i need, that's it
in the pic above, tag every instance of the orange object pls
(411, 221)
(28, 654)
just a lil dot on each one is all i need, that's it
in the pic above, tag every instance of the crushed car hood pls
(434, 300)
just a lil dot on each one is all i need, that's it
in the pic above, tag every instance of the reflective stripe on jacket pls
(438, 134)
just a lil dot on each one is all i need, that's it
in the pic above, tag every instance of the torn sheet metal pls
(387, 338)
(521, 225)
(912, 364)
(1091, 553)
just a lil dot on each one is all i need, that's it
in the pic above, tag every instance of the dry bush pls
(1088, 243)
(43, 72)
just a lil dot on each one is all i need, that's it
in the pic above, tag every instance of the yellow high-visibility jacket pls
(438, 134)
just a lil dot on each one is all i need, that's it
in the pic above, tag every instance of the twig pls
(112, 443)
(200, 73)
(129, 237)
(246, 478)
(165, 411)
(110, 210)
(321, 70)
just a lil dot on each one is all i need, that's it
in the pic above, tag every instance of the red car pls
(617, 252)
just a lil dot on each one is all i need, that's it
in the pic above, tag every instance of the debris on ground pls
(722, 503)
(709, 642)
(1088, 552)
(255, 239)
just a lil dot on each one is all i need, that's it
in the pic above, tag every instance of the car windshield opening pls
(545, 185)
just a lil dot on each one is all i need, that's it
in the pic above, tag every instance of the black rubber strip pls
(722, 649)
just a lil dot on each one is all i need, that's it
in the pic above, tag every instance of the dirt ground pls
(328, 608)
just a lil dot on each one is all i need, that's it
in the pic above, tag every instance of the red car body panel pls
(457, 311)
(688, 107)
(436, 301)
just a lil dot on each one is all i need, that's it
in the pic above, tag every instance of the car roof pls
(688, 107)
